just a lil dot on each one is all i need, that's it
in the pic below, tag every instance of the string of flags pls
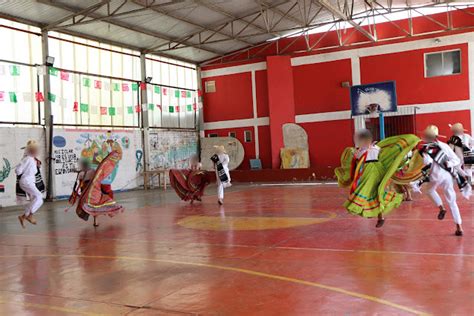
(97, 84)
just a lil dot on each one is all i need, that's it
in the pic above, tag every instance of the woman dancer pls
(190, 183)
(84, 177)
(368, 169)
(30, 183)
(221, 165)
(93, 200)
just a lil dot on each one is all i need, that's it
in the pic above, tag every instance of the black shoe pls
(380, 222)
(458, 233)
(441, 214)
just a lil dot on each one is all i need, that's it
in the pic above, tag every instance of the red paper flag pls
(177, 108)
(199, 93)
(125, 87)
(2, 96)
(97, 84)
(165, 91)
(138, 108)
(142, 86)
(39, 97)
(64, 75)
(103, 110)
(159, 106)
(194, 106)
(75, 108)
(183, 94)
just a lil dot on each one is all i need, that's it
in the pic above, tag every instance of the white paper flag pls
(63, 102)
(107, 86)
(94, 109)
(119, 111)
(2, 70)
(27, 97)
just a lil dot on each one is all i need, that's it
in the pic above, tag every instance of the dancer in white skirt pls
(221, 165)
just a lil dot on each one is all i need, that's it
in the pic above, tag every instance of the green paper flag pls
(86, 82)
(111, 111)
(188, 94)
(134, 87)
(14, 70)
(176, 93)
(171, 109)
(53, 71)
(189, 107)
(130, 109)
(84, 107)
(157, 89)
(51, 97)
(151, 107)
(116, 87)
(13, 98)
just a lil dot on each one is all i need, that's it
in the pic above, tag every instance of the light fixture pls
(437, 40)
(49, 61)
(148, 79)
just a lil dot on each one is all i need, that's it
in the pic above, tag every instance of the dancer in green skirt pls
(367, 170)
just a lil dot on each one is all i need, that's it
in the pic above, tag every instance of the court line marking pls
(49, 307)
(254, 246)
(246, 271)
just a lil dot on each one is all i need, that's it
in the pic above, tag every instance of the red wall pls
(318, 87)
(232, 99)
(407, 69)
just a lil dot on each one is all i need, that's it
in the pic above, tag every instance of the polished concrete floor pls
(270, 250)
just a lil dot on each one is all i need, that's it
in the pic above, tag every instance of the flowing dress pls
(370, 192)
(189, 184)
(93, 200)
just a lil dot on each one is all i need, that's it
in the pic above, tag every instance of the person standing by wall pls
(26, 172)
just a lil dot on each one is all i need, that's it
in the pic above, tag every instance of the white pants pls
(444, 180)
(221, 186)
(36, 198)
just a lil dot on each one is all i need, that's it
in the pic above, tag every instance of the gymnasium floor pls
(271, 250)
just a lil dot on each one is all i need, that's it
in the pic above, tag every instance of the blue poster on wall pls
(373, 98)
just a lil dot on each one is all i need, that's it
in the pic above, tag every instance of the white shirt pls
(437, 172)
(224, 159)
(27, 168)
(467, 141)
(372, 152)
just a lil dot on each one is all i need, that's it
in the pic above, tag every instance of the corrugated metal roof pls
(193, 31)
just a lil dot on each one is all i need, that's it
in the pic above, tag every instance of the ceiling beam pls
(202, 27)
(82, 12)
(225, 23)
(340, 15)
(118, 23)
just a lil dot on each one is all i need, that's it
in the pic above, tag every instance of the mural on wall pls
(172, 149)
(294, 158)
(4, 173)
(295, 154)
(94, 145)
(232, 145)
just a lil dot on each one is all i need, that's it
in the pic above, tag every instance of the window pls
(212, 135)
(442, 63)
(248, 136)
(232, 134)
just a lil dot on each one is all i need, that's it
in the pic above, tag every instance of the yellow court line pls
(249, 272)
(270, 247)
(49, 307)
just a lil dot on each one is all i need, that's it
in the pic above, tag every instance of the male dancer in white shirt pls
(27, 170)
(444, 169)
(463, 145)
(221, 165)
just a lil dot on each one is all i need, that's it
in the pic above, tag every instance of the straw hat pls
(431, 130)
(457, 127)
(31, 145)
(220, 149)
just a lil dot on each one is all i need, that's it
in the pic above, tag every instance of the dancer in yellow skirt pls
(367, 170)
